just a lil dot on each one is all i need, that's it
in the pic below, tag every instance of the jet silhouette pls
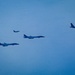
(15, 31)
(32, 37)
(72, 26)
(8, 44)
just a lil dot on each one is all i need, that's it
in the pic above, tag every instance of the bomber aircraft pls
(32, 37)
(8, 44)
(16, 31)
(72, 26)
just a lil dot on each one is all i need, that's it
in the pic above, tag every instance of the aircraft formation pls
(24, 36)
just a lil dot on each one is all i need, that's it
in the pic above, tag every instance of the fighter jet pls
(8, 44)
(72, 26)
(32, 37)
(15, 31)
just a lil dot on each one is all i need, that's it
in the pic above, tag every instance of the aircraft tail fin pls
(25, 36)
(13, 30)
(0, 43)
(72, 25)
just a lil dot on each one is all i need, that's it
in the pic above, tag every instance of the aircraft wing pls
(13, 44)
(39, 37)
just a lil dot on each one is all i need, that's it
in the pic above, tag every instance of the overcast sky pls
(52, 55)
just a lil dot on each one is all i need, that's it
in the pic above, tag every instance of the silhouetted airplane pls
(32, 37)
(72, 26)
(16, 31)
(7, 44)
